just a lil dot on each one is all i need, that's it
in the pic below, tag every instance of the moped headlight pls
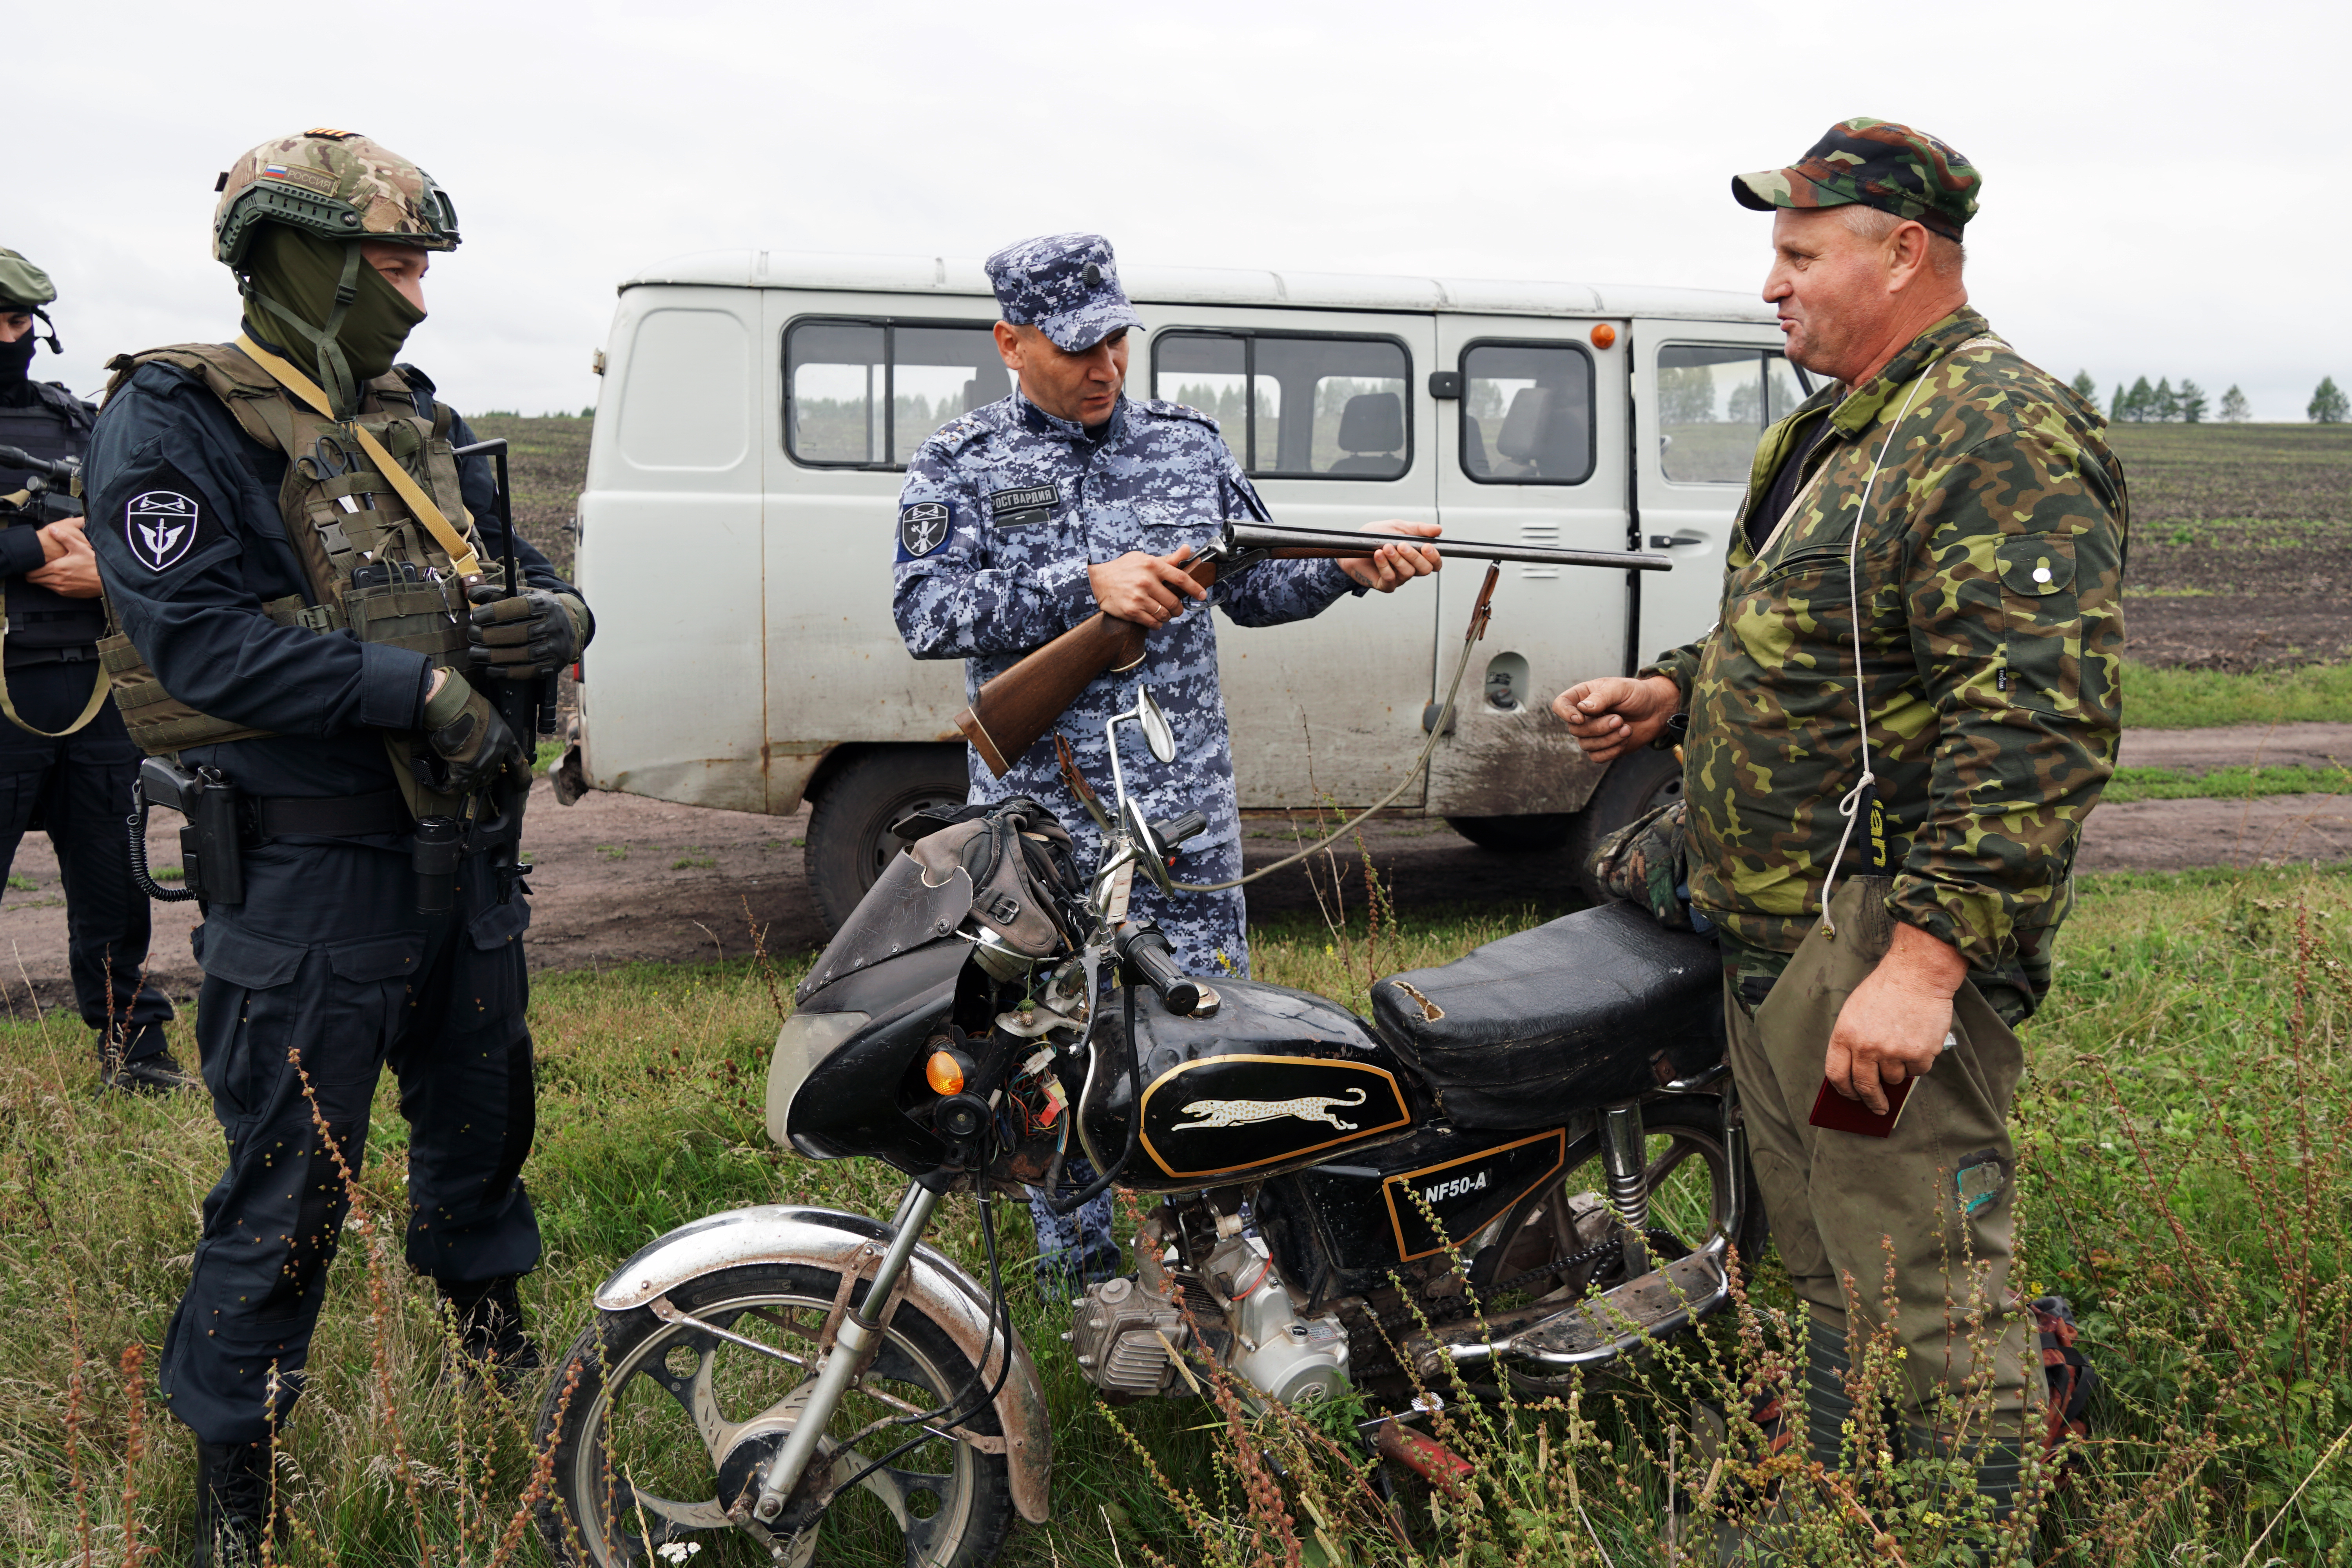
(806, 1039)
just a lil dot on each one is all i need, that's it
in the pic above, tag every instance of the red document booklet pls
(1839, 1114)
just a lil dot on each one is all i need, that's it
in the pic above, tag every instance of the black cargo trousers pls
(76, 788)
(327, 964)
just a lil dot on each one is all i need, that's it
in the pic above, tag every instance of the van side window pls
(1296, 406)
(1527, 413)
(1712, 405)
(865, 394)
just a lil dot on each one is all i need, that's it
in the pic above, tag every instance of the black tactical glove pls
(465, 732)
(532, 633)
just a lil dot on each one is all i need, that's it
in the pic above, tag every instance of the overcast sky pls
(2164, 190)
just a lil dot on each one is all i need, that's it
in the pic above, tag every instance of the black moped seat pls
(1596, 1006)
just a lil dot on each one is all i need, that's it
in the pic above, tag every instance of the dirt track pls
(618, 878)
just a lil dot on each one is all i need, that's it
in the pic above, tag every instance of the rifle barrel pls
(1240, 536)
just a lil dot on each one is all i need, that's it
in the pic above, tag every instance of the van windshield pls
(866, 394)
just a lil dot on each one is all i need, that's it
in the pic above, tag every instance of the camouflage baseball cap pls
(1066, 286)
(23, 285)
(335, 183)
(1878, 164)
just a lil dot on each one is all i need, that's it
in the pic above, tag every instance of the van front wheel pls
(849, 832)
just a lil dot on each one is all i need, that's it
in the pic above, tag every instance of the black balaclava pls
(347, 320)
(17, 359)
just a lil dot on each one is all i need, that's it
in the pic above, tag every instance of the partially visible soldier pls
(66, 764)
(1021, 518)
(293, 551)
(1924, 600)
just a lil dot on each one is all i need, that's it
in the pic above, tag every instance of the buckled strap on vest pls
(461, 554)
(331, 816)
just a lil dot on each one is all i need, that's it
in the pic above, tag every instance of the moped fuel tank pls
(1272, 1080)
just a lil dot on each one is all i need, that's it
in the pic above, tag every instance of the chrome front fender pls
(829, 1238)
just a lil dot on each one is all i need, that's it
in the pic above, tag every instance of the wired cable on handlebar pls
(1103, 1179)
(1478, 619)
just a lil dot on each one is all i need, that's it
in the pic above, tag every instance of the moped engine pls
(1126, 1338)
(1283, 1355)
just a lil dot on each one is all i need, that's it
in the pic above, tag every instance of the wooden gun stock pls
(1016, 711)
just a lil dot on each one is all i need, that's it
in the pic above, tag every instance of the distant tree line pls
(2140, 404)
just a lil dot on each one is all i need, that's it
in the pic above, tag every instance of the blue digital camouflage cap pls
(1066, 286)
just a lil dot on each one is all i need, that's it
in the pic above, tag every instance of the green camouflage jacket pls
(1991, 570)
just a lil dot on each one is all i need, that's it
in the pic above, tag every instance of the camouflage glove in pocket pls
(1643, 863)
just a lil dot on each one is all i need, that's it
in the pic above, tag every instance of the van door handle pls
(1669, 541)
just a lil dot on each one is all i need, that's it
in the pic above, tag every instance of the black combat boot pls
(490, 1336)
(232, 1513)
(139, 1065)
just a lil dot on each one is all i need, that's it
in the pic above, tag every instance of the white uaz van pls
(759, 409)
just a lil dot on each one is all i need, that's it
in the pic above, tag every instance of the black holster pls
(211, 857)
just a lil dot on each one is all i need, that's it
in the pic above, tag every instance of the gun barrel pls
(56, 473)
(1241, 536)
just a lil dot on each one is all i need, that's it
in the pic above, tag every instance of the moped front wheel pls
(657, 1427)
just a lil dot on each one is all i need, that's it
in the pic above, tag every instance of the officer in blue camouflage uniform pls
(1021, 520)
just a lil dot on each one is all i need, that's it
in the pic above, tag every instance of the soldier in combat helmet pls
(297, 560)
(65, 762)
(1021, 518)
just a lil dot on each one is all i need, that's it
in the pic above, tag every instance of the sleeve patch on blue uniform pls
(160, 526)
(923, 527)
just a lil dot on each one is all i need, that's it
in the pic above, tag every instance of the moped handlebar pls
(1176, 829)
(1145, 955)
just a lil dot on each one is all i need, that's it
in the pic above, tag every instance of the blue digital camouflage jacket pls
(1003, 512)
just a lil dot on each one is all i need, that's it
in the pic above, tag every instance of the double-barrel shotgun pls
(1014, 710)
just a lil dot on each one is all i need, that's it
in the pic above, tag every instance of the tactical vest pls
(56, 426)
(372, 567)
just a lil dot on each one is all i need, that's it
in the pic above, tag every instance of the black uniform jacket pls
(198, 618)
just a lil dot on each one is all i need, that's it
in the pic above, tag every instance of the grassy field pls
(2162, 698)
(2184, 1179)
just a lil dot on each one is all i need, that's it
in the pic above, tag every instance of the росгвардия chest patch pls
(1025, 506)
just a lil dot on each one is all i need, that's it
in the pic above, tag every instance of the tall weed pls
(2184, 1179)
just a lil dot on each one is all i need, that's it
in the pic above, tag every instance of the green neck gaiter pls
(301, 274)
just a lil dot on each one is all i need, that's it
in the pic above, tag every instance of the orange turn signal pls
(944, 1073)
(1604, 335)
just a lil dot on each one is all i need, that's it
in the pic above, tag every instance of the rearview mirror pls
(1158, 733)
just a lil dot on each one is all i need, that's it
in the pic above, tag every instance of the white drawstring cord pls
(1851, 806)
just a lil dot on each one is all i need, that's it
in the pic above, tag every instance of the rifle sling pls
(461, 554)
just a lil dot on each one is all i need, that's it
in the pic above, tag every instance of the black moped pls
(1544, 1128)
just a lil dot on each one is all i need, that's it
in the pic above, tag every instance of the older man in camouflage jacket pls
(1925, 596)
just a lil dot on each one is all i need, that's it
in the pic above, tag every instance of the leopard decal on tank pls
(1272, 1080)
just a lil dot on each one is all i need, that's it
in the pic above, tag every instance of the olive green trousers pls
(1913, 1229)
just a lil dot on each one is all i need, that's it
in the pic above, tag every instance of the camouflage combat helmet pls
(26, 288)
(335, 183)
